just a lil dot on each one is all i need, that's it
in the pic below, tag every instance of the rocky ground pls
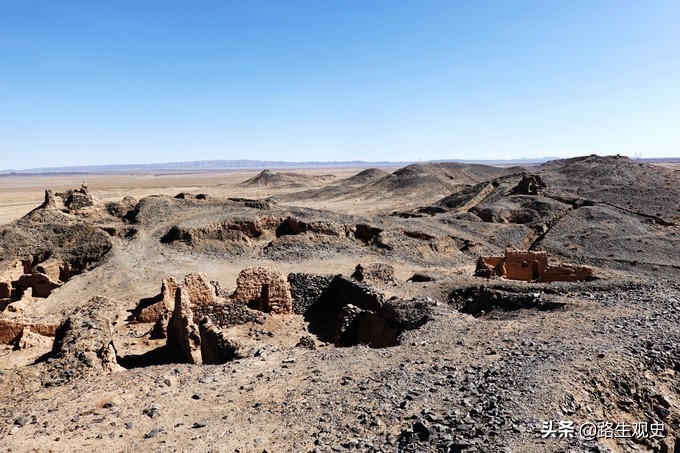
(407, 352)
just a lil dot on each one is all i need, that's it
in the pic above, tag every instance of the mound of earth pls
(428, 181)
(366, 176)
(50, 233)
(338, 189)
(277, 179)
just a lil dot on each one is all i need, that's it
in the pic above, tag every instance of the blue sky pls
(85, 82)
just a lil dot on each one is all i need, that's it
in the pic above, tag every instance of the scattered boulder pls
(421, 277)
(264, 289)
(306, 342)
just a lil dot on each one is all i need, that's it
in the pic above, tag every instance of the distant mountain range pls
(215, 165)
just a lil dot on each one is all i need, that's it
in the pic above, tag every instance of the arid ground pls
(338, 309)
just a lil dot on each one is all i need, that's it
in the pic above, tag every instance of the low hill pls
(414, 183)
(618, 180)
(277, 179)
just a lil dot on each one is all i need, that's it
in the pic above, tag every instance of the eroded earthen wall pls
(530, 266)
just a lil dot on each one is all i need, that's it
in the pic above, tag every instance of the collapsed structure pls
(71, 200)
(196, 317)
(530, 266)
(21, 279)
(195, 326)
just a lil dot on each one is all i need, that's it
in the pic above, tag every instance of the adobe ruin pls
(71, 200)
(264, 289)
(21, 280)
(199, 315)
(530, 266)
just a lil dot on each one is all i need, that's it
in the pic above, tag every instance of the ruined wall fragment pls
(525, 265)
(165, 305)
(217, 347)
(530, 266)
(264, 289)
(183, 333)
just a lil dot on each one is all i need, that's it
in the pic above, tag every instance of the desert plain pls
(434, 307)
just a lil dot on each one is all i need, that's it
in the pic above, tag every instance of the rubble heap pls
(83, 344)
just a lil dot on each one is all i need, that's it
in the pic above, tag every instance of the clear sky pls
(91, 82)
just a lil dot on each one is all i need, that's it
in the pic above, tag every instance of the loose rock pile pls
(83, 344)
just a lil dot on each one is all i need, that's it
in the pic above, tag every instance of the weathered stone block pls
(376, 272)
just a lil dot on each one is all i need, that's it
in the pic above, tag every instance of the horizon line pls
(253, 164)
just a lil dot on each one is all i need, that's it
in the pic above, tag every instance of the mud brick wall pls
(489, 262)
(490, 266)
(263, 288)
(567, 273)
(527, 266)
(10, 329)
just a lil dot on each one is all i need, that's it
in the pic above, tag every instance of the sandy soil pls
(19, 194)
